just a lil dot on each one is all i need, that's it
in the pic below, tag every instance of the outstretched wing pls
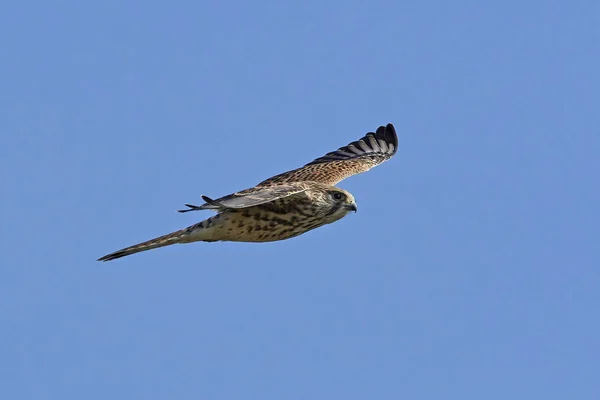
(359, 156)
(251, 197)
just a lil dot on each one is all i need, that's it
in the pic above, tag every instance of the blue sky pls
(470, 271)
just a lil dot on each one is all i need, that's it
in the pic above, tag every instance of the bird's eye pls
(338, 195)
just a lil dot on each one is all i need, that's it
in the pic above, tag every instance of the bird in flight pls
(285, 205)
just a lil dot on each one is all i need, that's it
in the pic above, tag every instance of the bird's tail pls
(190, 234)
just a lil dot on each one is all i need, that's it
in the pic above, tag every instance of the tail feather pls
(180, 236)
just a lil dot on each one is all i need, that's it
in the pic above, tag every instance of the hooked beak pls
(352, 207)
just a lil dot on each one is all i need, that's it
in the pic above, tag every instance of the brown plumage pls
(286, 205)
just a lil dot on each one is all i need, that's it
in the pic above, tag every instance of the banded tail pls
(192, 233)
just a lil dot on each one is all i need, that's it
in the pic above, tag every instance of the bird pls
(285, 205)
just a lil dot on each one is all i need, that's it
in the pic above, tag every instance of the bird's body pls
(286, 205)
(280, 219)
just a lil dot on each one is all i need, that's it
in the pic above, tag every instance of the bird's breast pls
(265, 223)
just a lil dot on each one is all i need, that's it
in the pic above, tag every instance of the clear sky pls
(471, 270)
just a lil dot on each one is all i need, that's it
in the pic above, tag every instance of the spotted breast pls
(278, 220)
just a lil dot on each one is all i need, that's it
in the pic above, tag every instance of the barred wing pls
(355, 158)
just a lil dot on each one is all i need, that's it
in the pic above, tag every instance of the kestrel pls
(286, 205)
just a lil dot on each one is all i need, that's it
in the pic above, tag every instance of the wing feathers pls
(354, 158)
(383, 142)
(250, 197)
(374, 145)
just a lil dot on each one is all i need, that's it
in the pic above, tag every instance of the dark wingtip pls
(111, 256)
(212, 202)
(388, 133)
(191, 208)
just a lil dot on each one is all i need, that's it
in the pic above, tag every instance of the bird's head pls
(339, 203)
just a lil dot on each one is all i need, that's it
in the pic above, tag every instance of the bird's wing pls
(251, 197)
(359, 156)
